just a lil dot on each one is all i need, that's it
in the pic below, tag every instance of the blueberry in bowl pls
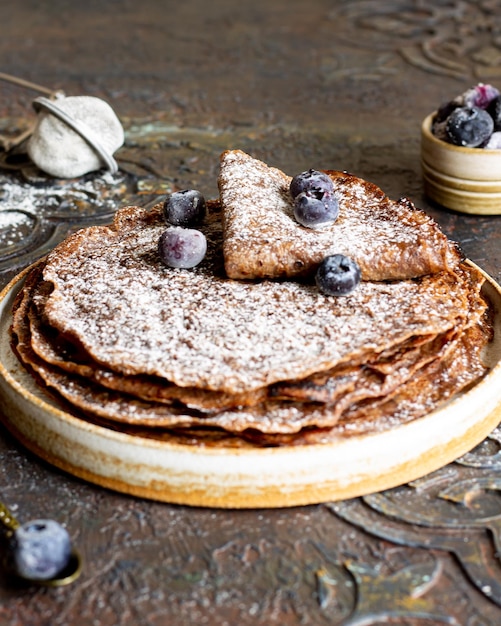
(461, 152)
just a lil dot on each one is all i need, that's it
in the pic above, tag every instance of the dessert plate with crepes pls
(238, 383)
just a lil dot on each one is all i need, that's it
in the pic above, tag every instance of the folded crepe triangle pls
(389, 239)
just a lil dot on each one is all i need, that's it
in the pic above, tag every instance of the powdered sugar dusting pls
(389, 240)
(198, 328)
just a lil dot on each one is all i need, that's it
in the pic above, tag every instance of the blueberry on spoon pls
(40, 551)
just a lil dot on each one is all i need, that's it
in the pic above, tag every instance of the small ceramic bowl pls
(463, 179)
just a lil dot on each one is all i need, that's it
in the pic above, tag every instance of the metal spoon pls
(69, 574)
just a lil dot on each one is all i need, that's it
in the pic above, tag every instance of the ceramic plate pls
(249, 476)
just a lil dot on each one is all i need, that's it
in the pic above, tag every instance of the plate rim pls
(241, 492)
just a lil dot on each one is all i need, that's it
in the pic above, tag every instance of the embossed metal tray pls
(225, 476)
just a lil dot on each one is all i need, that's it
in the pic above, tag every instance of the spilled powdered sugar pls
(23, 204)
(13, 224)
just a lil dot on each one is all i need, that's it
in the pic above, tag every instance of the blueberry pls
(316, 208)
(439, 121)
(311, 179)
(494, 110)
(41, 549)
(184, 208)
(182, 247)
(479, 96)
(469, 127)
(494, 142)
(338, 275)
(445, 110)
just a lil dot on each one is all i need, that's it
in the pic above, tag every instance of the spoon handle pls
(7, 519)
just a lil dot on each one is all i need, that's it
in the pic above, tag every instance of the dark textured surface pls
(329, 84)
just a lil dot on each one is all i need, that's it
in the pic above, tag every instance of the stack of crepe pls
(245, 344)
